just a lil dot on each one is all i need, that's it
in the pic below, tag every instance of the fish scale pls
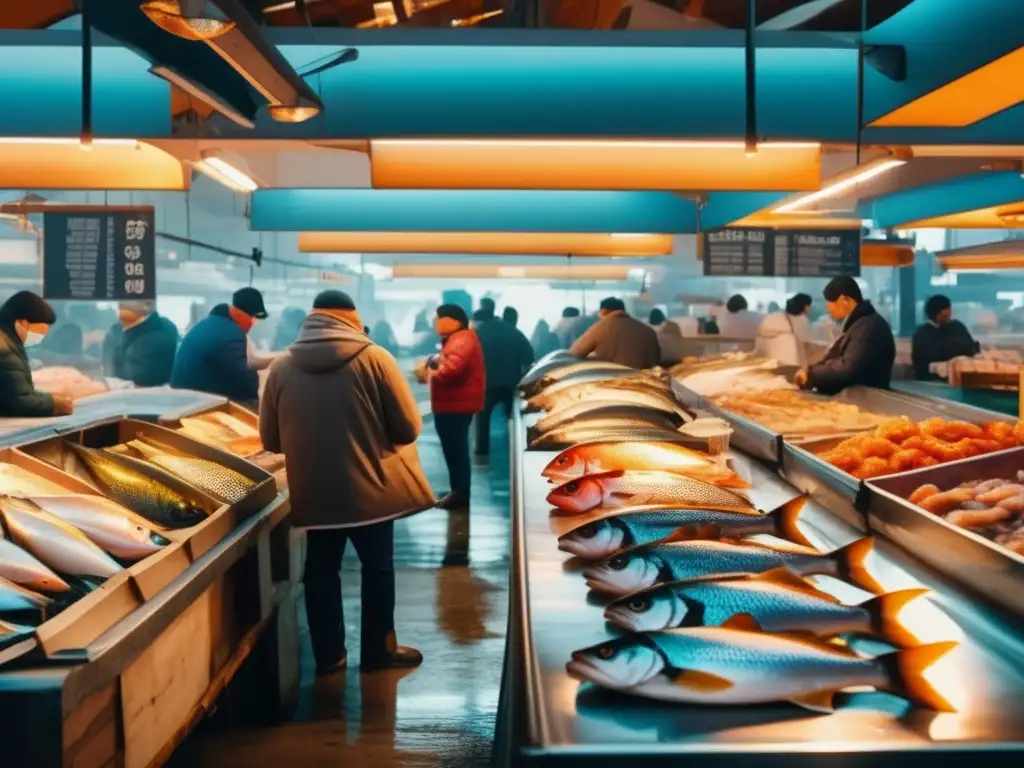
(221, 482)
(677, 489)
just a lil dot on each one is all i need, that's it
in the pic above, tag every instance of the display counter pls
(1004, 402)
(121, 675)
(549, 718)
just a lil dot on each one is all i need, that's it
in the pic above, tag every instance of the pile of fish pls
(730, 373)
(710, 615)
(224, 431)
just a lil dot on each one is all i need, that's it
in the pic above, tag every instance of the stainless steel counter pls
(566, 722)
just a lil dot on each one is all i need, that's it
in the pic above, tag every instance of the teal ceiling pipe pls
(401, 210)
(41, 88)
(961, 193)
(722, 208)
(944, 40)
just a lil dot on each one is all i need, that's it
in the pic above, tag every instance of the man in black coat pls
(940, 339)
(863, 354)
(507, 356)
(141, 347)
(24, 320)
(213, 356)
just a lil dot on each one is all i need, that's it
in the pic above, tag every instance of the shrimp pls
(922, 493)
(996, 495)
(989, 485)
(1015, 504)
(905, 460)
(1001, 432)
(980, 518)
(941, 503)
(983, 445)
(898, 430)
(872, 466)
(950, 431)
(879, 447)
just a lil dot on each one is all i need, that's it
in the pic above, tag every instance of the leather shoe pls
(400, 658)
(330, 669)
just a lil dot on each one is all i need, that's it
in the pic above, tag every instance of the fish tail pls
(786, 518)
(851, 563)
(884, 611)
(906, 670)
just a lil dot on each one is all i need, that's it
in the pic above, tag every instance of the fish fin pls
(785, 577)
(703, 682)
(742, 621)
(884, 611)
(906, 670)
(817, 701)
(851, 563)
(607, 473)
(684, 533)
(786, 518)
(814, 641)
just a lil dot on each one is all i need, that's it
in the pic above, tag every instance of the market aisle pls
(441, 714)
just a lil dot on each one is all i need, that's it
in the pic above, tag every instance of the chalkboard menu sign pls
(99, 254)
(782, 253)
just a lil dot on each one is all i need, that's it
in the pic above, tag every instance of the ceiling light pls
(471, 21)
(591, 143)
(870, 171)
(279, 7)
(224, 173)
(67, 141)
(292, 113)
(197, 90)
(190, 22)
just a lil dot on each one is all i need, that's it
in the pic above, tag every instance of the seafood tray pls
(980, 564)
(748, 436)
(271, 462)
(88, 618)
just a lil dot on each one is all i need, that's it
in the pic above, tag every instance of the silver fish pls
(224, 484)
(642, 567)
(110, 526)
(713, 665)
(61, 546)
(775, 601)
(622, 488)
(538, 381)
(608, 430)
(610, 409)
(571, 391)
(605, 534)
(22, 568)
(15, 598)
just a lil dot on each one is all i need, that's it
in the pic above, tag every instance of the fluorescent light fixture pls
(590, 143)
(195, 89)
(279, 7)
(224, 173)
(187, 19)
(67, 141)
(471, 21)
(870, 171)
(629, 234)
(292, 113)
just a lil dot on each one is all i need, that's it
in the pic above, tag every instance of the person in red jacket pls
(457, 385)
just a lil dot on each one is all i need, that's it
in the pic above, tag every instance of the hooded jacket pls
(619, 338)
(863, 354)
(213, 358)
(459, 382)
(18, 395)
(339, 409)
(784, 337)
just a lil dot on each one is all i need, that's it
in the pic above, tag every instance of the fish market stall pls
(142, 571)
(623, 645)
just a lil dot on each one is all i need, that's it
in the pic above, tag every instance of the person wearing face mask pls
(141, 347)
(25, 319)
(457, 385)
(213, 356)
(865, 351)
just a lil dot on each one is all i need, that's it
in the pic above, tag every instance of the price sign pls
(99, 254)
(758, 252)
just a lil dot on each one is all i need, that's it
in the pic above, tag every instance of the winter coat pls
(784, 337)
(18, 395)
(670, 339)
(619, 338)
(213, 358)
(507, 353)
(863, 354)
(739, 325)
(340, 410)
(939, 344)
(458, 382)
(144, 353)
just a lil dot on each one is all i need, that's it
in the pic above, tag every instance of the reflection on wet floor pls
(441, 714)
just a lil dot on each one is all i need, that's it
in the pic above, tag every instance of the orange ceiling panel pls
(483, 271)
(39, 164)
(1009, 216)
(503, 243)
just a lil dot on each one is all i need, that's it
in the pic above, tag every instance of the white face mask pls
(33, 338)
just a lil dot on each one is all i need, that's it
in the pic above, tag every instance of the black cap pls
(250, 301)
(455, 312)
(333, 300)
(842, 286)
(25, 305)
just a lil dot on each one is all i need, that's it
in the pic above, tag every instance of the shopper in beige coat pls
(340, 410)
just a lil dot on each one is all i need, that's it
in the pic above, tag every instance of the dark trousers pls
(503, 396)
(324, 549)
(453, 430)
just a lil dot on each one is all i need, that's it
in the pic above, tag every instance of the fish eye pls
(572, 487)
(588, 531)
(563, 459)
(618, 563)
(605, 652)
(639, 605)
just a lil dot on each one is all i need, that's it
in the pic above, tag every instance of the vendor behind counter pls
(940, 339)
(25, 319)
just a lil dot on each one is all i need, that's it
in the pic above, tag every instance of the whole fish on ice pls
(110, 526)
(669, 416)
(610, 430)
(117, 477)
(776, 601)
(620, 488)
(645, 566)
(660, 399)
(603, 456)
(61, 546)
(578, 387)
(714, 665)
(603, 535)
(536, 383)
(223, 483)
